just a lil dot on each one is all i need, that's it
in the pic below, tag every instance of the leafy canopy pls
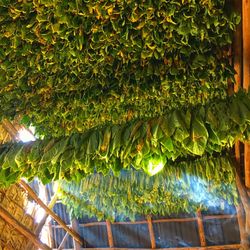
(68, 66)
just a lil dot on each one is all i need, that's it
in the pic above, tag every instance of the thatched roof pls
(14, 200)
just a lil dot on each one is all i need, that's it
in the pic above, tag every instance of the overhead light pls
(155, 166)
(25, 135)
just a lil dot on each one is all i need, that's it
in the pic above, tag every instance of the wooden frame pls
(199, 219)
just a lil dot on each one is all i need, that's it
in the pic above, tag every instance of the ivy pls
(69, 66)
(181, 134)
(182, 187)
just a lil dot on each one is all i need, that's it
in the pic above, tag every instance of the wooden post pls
(201, 229)
(110, 235)
(237, 48)
(244, 199)
(20, 228)
(75, 227)
(246, 75)
(242, 228)
(32, 194)
(151, 232)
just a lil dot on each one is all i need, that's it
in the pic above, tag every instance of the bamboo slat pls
(32, 194)
(20, 228)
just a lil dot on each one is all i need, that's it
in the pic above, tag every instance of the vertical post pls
(75, 227)
(243, 234)
(237, 48)
(244, 198)
(246, 75)
(110, 235)
(201, 229)
(151, 232)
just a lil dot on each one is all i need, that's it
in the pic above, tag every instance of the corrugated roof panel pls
(131, 236)
(176, 234)
(95, 236)
(221, 231)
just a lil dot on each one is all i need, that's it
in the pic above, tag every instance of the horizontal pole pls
(206, 217)
(221, 247)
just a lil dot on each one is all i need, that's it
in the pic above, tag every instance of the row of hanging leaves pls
(180, 134)
(68, 66)
(181, 188)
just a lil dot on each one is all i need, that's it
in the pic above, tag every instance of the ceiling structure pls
(150, 232)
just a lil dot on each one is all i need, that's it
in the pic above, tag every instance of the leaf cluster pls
(179, 135)
(181, 188)
(68, 66)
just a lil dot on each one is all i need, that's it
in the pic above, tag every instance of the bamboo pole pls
(109, 232)
(20, 228)
(201, 229)
(246, 75)
(32, 194)
(151, 232)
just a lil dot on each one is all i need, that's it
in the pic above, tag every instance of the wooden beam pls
(151, 232)
(237, 48)
(201, 229)
(219, 216)
(8, 126)
(75, 227)
(21, 229)
(207, 217)
(221, 247)
(244, 199)
(245, 244)
(63, 241)
(33, 195)
(110, 235)
(246, 75)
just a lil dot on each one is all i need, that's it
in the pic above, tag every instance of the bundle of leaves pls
(182, 187)
(68, 66)
(180, 134)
